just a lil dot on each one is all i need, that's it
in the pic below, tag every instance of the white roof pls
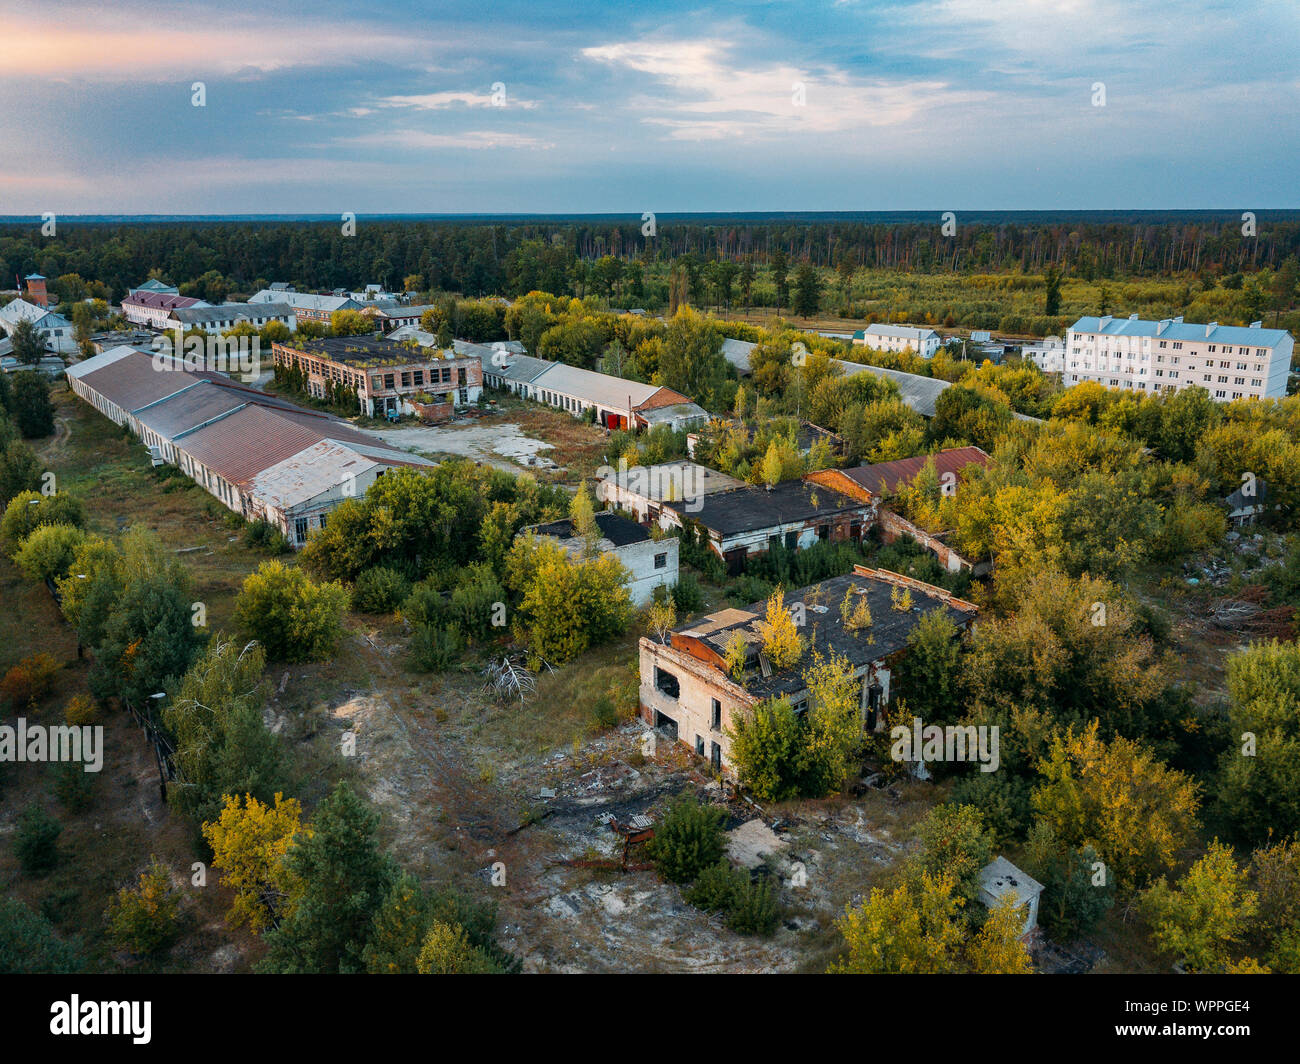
(413, 332)
(902, 332)
(312, 472)
(598, 388)
(672, 480)
(1000, 878)
(306, 301)
(20, 310)
(737, 353)
(99, 361)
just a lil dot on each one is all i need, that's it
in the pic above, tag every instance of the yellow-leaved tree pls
(782, 643)
(1120, 799)
(249, 842)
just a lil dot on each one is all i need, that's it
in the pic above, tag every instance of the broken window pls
(716, 723)
(661, 560)
(666, 683)
(699, 745)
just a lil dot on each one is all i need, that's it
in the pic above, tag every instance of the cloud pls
(706, 92)
(438, 101)
(474, 140)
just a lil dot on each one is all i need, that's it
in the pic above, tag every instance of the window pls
(699, 745)
(322, 520)
(661, 560)
(716, 720)
(666, 683)
(300, 529)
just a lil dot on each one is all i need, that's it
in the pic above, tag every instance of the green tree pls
(1076, 890)
(28, 510)
(929, 674)
(222, 744)
(340, 879)
(48, 553)
(28, 344)
(767, 750)
(688, 839)
(144, 919)
(1259, 788)
(32, 411)
(1204, 917)
(955, 843)
(1052, 299)
(149, 640)
(293, 617)
(909, 930)
(29, 944)
(807, 291)
(36, 842)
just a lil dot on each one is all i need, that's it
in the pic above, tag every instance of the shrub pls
(36, 842)
(73, 786)
(143, 920)
(424, 605)
(80, 711)
(688, 840)
(29, 944)
(475, 602)
(716, 887)
(293, 617)
(748, 589)
(28, 510)
(48, 552)
(380, 590)
(604, 712)
(754, 909)
(687, 595)
(264, 536)
(29, 681)
(433, 648)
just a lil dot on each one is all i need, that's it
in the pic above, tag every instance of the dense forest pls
(569, 255)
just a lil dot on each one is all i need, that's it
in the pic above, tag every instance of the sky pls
(544, 107)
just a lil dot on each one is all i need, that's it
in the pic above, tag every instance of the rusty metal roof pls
(886, 476)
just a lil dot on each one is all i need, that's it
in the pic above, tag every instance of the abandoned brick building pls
(686, 688)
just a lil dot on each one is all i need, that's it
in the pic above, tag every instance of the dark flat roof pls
(749, 509)
(824, 626)
(367, 351)
(618, 530)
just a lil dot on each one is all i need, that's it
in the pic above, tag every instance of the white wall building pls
(53, 328)
(154, 309)
(1229, 361)
(222, 317)
(1048, 354)
(898, 338)
(650, 563)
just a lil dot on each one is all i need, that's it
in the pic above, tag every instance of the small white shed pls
(1000, 879)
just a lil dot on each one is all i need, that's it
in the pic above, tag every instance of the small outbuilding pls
(1000, 879)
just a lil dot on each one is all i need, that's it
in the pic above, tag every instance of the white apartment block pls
(897, 338)
(1228, 361)
(1048, 355)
